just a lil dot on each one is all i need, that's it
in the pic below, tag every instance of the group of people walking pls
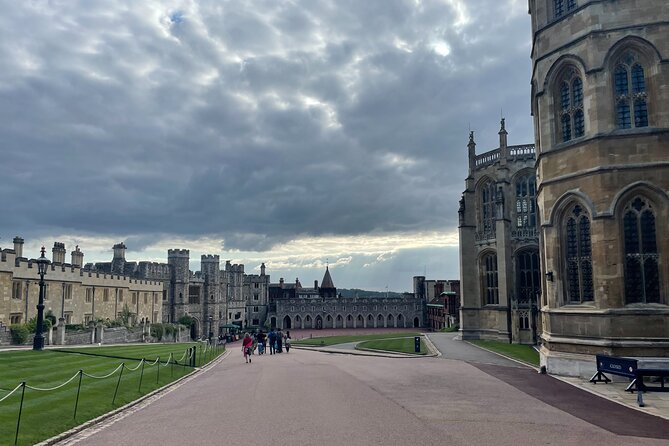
(277, 340)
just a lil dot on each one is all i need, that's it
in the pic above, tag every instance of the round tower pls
(601, 110)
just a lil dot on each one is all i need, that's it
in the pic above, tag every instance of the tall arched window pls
(630, 93)
(487, 203)
(578, 256)
(528, 273)
(526, 202)
(642, 275)
(570, 107)
(490, 281)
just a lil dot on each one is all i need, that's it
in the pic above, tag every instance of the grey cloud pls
(118, 119)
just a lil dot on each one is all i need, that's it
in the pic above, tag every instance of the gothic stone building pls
(294, 306)
(499, 245)
(600, 101)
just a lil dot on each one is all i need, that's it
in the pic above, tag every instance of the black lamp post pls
(211, 333)
(42, 265)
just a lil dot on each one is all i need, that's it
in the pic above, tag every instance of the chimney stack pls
(281, 282)
(18, 246)
(77, 257)
(58, 253)
(316, 284)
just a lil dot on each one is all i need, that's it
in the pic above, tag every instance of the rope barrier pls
(169, 358)
(105, 376)
(189, 354)
(138, 366)
(10, 393)
(52, 388)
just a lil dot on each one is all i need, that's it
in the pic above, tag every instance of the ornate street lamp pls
(42, 265)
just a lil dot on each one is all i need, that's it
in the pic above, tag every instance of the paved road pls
(452, 349)
(313, 398)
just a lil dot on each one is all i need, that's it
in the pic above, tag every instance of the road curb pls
(377, 353)
(158, 393)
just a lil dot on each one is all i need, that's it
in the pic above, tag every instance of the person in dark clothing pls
(272, 341)
(261, 343)
(279, 341)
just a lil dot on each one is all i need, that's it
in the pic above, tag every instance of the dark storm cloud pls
(255, 122)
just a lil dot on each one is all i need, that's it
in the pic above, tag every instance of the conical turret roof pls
(327, 280)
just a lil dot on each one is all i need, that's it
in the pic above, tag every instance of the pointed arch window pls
(487, 203)
(528, 274)
(490, 279)
(630, 93)
(570, 110)
(642, 275)
(578, 252)
(526, 202)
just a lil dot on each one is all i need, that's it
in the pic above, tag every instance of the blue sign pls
(617, 366)
(416, 341)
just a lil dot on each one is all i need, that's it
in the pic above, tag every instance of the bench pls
(629, 368)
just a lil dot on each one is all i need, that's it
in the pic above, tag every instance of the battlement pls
(119, 246)
(59, 245)
(178, 253)
(209, 258)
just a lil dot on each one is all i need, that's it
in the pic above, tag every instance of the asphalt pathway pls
(314, 398)
(451, 348)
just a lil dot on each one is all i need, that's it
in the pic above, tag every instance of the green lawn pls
(333, 340)
(47, 413)
(401, 345)
(451, 329)
(524, 353)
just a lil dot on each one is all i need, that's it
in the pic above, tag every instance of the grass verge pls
(399, 345)
(48, 413)
(451, 329)
(333, 340)
(523, 353)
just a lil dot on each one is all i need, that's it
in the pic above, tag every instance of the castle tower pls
(77, 257)
(58, 253)
(601, 111)
(118, 261)
(178, 262)
(211, 270)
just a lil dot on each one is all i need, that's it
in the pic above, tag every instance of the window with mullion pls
(526, 199)
(488, 208)
(630, 103)
(490, 280)
(571, 116)
(578, 268)
(642, 284)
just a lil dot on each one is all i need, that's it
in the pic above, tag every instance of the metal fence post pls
(141, 376)
(118, 382)
(158, 373)
(76, 403)
(18, 422)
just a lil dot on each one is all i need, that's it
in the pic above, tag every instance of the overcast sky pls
(289, 132)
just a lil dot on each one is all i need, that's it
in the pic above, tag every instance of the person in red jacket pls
(247, 347)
